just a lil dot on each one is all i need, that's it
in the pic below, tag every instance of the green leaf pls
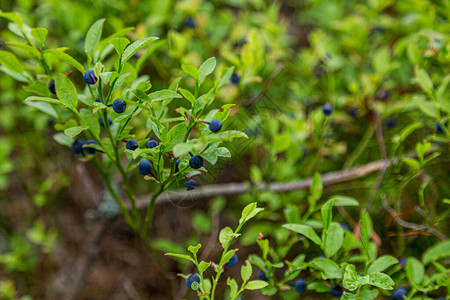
(195, 249)
(183, 256)
(415, 271)
(119, 44)
(93, 37)
(226, 258)
(246, 271)
(202, 266)
(14, 17)
(74, 131)
(66, 92)
(427, 107)
(424, 80)
(119, 33)
(67, 58)
(25, 47)
(163, 94)
(436, 252)
(205, 69)
(382, 263)
(349, 296)
(190, 70)
(63, 139)
(249, 212)
(224, 79)
(344, 201)
(135, 47)
(176, 134)
(44, 107)
(119, 82)
(334, 240)
(306, 231)
(255, 285)
(10, 61)
(39, 34)
(188, 95)
(381, 280)
(327, 213)
(264, 245)
(233, 286)
(352, 281)
(329, 268)
(316, 189)
(43, 99)
(225, 235)
(366, 233)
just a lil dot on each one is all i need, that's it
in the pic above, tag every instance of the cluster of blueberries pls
(144, 167)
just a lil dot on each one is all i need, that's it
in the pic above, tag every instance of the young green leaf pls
(74, 131)
(415, 271)
(66, 92)
(246, 271)
(39, 34)
(381, 280)
(93, 37)
(163, 94)
(183, 256)
(329, 268)
(58, 53)
(249, 212)
(382, 263)
(205, 69)
(255, 285)
(306, 231)
(10, 61)
(135, 47)
(334, 240)
(436, 252)
(119, 44)
(327, 213)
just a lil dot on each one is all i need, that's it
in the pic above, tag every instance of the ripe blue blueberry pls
(354, 112)
(300, 286)
(327, 109)
(215, 125)
(89, 77)
(235, 78)
(390, 123)
(191, 279)
(176, 165)
(152, 144)
(191, 185)
(132, 145)
(145, 167)
(441, 298)
(439, 127)
(196, 162)
(399, 294)
(52, 87)
(383, 95)
(119, 106)
(189, 22)
(402, 262)
(337, 291)
(262, 276)
(100, 121)
(90, 150)
(345, 227)
(77, 146)
(233, 261)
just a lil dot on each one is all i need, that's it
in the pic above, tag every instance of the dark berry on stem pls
(196, 162)
(235, 78)
(189, 22)
(439, 128)
(233, 261)
(215, 125)
(90, 150)
(191, 185)
(152, 144)
(89, 77)
(119, 106)
(327, 109)
(354, 112)
(77, 146)
(383, 95)
(100, 121)
(132, 145)
(345, 227)
(300, 286)
(399, 294)
(52, 87)
(145, 167)
(337, 291)
(176, 165)
(262, 276)
(191, 279)
(403, 261)
(390, 123)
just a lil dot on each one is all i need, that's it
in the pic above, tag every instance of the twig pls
(414, 226)
(382, 147)
(90, 257)
(228, 189)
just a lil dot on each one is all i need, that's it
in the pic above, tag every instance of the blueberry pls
(191, 279)
(337, 291)
(189, 22)
(354, 112)
(441, 298)
(98, 100)
(89, 77)
(390, 123)
(327, 109)
(383, 95)
(345, 227)
(403, 261)
(215, 125)
(152, 144)
(145, 167)
(132, 145)
(90, 150)
(100, 121)
(77, 146)
(196, 162)
(191, 185)
(119, 106)
(176, 165)
(233, 261)
(262, 276)
(235, 78)
(52, 87)
(399, 294)
(439, 127)
(300, 286)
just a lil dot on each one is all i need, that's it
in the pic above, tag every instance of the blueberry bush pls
(238, 149)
